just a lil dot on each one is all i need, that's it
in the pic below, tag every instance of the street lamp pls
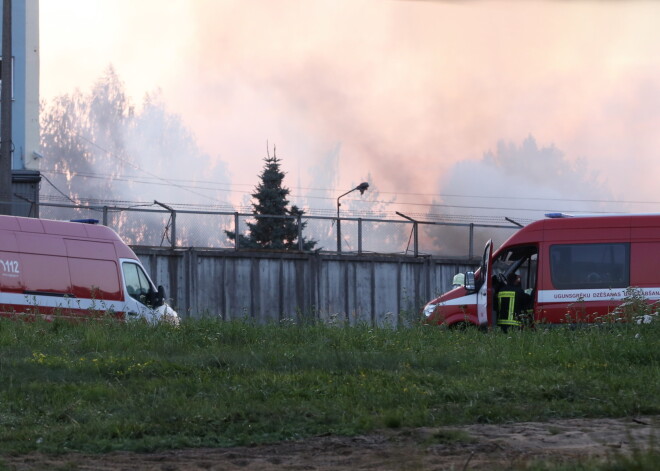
(362, 187)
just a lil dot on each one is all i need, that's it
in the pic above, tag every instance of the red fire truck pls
(577, 269)
(73, 269)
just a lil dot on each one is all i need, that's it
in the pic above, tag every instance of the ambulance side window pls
(137, 283)
(588, 266)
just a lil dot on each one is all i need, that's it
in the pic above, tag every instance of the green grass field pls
(96, 387)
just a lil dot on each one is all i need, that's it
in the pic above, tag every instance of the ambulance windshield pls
(521, 260)
(137, 283)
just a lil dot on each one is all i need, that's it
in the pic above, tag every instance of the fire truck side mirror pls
(469, 281)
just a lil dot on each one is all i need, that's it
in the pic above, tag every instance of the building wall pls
(25, 109)
(25, 188)
(271, 287)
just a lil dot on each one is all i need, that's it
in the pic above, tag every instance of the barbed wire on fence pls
(327, 212)
(177, 226)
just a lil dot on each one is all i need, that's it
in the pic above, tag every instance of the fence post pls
(172, 224)
(360, 236)
(236, 245)
(338, 233)
(416, 238)
(414, 233)
(173, 229)
(105, 215)
(300, 234)
(471, 249)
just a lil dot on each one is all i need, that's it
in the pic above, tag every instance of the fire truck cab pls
(577, 269)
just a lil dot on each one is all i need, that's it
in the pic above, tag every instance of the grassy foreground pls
(98, 387)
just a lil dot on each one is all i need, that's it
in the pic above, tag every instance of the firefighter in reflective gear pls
(512, 302)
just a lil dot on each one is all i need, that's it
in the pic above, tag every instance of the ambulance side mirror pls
(469, 281)
(160, 300)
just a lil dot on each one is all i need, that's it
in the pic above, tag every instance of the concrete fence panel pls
(266, 287)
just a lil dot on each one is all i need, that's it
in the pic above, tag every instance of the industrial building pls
(25, 150)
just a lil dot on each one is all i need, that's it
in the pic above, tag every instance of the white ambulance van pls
(73, 270)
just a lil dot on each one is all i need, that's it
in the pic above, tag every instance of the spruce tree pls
(270, 199)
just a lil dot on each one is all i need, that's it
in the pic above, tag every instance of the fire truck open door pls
(485, 292)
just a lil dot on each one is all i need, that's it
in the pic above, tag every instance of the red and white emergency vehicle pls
(577, 269)
(74, 270)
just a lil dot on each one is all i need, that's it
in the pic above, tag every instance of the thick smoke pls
(101, 150)
(408, 89)
(520, 182)
(409, 92)
(525, 181)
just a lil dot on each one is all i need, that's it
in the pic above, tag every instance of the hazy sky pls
(404, 91)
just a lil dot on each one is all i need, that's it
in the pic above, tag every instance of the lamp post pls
(362, 187)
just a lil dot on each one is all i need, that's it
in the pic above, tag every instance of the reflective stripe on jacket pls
(506, 314)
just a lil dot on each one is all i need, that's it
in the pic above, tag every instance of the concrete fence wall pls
(272, 286)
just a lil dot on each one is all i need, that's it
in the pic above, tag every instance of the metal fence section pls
(322, 231)
(164, 226)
